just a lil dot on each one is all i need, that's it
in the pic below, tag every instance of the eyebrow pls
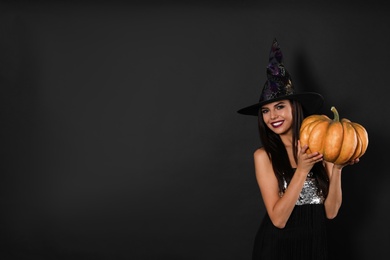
(277, 104)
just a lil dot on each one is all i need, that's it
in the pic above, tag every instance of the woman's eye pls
(280, 107)
(264, 111)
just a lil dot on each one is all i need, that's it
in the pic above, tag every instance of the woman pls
(300, 191)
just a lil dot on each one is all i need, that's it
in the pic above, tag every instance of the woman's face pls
(278, 116)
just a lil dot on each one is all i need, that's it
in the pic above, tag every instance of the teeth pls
(277, 123)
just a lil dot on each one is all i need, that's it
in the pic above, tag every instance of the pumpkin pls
(340, 141)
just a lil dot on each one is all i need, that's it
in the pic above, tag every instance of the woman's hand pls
(306, 161)
(341, 166)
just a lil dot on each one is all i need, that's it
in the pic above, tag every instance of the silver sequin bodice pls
(309, 194)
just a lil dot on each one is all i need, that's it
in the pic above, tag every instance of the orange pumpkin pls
(338, 140)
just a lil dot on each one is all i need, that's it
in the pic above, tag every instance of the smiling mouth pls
(277, 124)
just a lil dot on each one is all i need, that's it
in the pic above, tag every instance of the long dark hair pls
(277, 152)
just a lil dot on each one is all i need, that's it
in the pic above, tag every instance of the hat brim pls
(311, 103)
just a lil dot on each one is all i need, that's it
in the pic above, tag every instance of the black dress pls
(303, 238)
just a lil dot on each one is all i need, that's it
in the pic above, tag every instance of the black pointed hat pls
(279, 86)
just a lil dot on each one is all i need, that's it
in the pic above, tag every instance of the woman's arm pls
(334, 199)
(279, 208)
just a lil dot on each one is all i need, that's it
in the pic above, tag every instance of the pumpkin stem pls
(336, 114)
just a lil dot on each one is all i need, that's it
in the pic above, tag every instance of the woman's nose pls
(274, 115)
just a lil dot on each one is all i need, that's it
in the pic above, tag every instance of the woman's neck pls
(287, 141)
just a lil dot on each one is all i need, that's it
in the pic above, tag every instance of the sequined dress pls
(304, 236)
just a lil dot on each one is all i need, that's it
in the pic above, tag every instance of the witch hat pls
(279, 86)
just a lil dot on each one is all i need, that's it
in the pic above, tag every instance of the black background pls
(119, 132)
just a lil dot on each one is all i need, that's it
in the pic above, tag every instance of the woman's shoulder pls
(263, 164)
(260, 154)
